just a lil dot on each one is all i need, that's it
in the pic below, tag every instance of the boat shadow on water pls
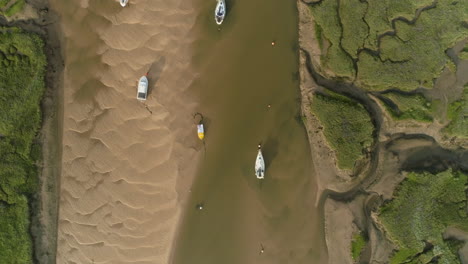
(154, 73)
(248, 174)
(229, 4)
(269, 151)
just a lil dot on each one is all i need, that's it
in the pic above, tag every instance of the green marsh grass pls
(380, 13)
(357, 245)
(415, 56)
(415, 107)
(412, 57)
(457, 113)
(355, 29)
(424, 205)
(15, 8)
(347, 126)
(21, 89)
(336, 59)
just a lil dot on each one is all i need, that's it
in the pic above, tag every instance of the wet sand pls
(240, 74)
(125, 163)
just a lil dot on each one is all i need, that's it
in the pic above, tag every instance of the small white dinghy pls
(200, 131)
(220, 12)
(260, 164)
(142, 88)
(123, 3)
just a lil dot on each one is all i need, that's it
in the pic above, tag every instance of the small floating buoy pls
(273, 43)
(200, 206)
(201, 131)
(269, 105)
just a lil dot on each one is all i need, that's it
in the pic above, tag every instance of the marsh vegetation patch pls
(11, 7)
(21, 87)
(424, 205)
(388, 44)
(409, 106)
(457, 113)
(346, 125)
(357, 245)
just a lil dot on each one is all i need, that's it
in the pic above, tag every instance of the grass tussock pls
(357, 245)
(11, 7)
(335, 59)
(415, 107)
(355, 29)
(464, 53)
(347, 127)
(16, 7)
(380, 13)
(3, 3)
(424, 205)
(21, 87)
(457, 113)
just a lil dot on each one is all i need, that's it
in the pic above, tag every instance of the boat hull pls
(260, 165)
(200, 131)
(142, 90)
(220, 12)
(123, 3)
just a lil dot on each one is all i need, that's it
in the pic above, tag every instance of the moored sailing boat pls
(260, 164)
(220, 12)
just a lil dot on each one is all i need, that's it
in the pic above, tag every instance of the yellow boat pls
(201, 131)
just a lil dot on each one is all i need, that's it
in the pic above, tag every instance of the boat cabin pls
(142, 88)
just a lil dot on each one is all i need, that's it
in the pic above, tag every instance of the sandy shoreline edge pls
(51, 134)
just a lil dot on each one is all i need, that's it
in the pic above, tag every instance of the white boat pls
(259, 164)
(123, 3)
(220, 12)
(142, 88)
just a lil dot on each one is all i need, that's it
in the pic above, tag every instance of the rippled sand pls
(122, 179)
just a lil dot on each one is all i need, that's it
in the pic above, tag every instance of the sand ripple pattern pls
(122, 159)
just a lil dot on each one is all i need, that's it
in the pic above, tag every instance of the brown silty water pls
(125, 163)
(241, 73)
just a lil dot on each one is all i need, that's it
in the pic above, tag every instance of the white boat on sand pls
(260, 164)
(123, 3)
(142, 88)
(220, 12)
